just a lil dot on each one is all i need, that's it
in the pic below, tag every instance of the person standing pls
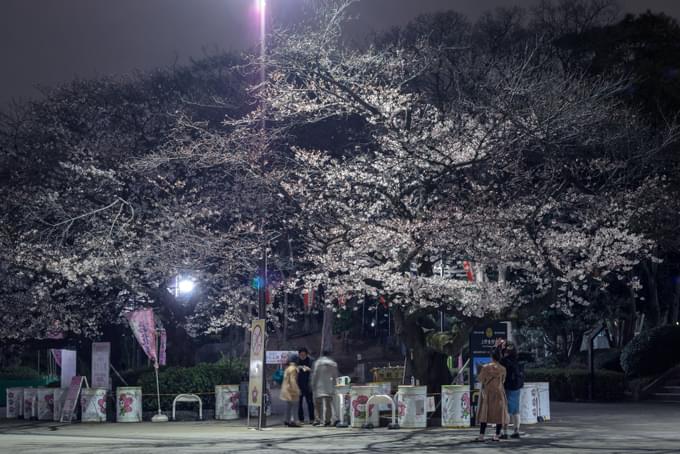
(493, 405)
(514, 381)
(304, 382)
(290, 391)
(324, 376)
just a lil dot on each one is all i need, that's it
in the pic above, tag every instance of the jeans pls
(290, 411)
(306, 394)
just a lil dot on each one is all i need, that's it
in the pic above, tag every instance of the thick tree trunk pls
(652, 302)
(327, 330)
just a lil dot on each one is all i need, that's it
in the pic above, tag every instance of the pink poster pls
(163, 346)
(144, 327)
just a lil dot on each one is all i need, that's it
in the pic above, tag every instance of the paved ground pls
(575, 428)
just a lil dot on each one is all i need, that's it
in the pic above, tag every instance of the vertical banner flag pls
(257, 334)
(163, 347)
(468, 271)
(68, 367)
(101, 360)
(308, 299)
(144, 327)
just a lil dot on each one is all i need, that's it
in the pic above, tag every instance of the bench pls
(188, 398)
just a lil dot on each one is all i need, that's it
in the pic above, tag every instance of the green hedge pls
(201, 378)
(568, 385)
(652, 352)
(14, 373)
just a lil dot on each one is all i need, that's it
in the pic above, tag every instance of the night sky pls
(45, 42)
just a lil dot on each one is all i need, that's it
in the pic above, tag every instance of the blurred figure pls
(324, 376)
(290, 391)
(304, 382)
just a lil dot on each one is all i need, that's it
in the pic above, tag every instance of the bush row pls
(652, 352)
(201, 378)
(568, 385)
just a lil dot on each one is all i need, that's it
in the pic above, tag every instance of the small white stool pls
(188, 398)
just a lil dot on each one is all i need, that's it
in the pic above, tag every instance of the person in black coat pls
(514, 382)
(304, 382)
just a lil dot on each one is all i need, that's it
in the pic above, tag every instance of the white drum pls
(59, 397)
(129, 404)
(15, 402)
(30, 403)
(45, 404)
(227, 401)
(528, 403)
(456, 406)
(342, 403)
(358, 410)
(93, 404)
(543, 400)
(411, 406)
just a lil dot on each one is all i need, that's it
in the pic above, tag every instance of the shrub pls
(16, 373)
(572, 384)
(652, 352)
(198, 379)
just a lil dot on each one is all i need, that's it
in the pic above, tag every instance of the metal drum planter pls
(129, 404)
(30, 403)
(528, 403)
(226, 401)
(358, 399)
(93, 404)
(543, 401)
(456, 406)
(59, 397)
(15, 402)
(45, 407)
(411, 406)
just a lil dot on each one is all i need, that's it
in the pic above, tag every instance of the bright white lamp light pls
(186, 286)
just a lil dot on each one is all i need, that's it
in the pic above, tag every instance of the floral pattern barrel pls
(93, 404)
(227, 399)
(456, 406)
(129, 404)
(45, 404)
(543, 400)
(528, 403)
(358, 404)
(59, 397)
(30, 403)
(411, 406)
(15, 402)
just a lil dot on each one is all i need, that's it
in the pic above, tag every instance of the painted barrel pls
(59, 397)
(543, 400)
(45, 400)
(15, 402)
(342, 403)
(411, 401)
(93, 404)
(528, 403)
(129, 404)
(456, 406)
(358, 396)
(227, 399)
(30, 403)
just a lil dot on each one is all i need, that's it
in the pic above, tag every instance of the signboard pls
(101, 354)
(71, 400)
(68, 367)
(482, 341)
(279, 356)
(257, 339)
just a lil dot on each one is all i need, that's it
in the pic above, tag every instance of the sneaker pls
(327, 424)
(504, 437)
(316, 423)
(515, 435)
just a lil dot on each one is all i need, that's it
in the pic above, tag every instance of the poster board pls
(68, 367)
(257, 338)
(101, 358)
(71, 400)
(279, 356)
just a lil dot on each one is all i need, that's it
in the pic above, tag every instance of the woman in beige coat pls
(290, 392)
(493, 405)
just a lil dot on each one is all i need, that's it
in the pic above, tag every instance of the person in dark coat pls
(514, 381)
(304, 383)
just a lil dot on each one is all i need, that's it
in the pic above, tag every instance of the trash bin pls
(45, 404)
(342, 403)
(59, 397)
(227, 398)
(456, 406)
(358, 397)
(93, 405)
(543, 401)
(528, 403)
(30, 403)
(129, 404)
(411, 406)
(14, 402)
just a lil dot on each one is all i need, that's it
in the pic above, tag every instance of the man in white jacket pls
(324, 376)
